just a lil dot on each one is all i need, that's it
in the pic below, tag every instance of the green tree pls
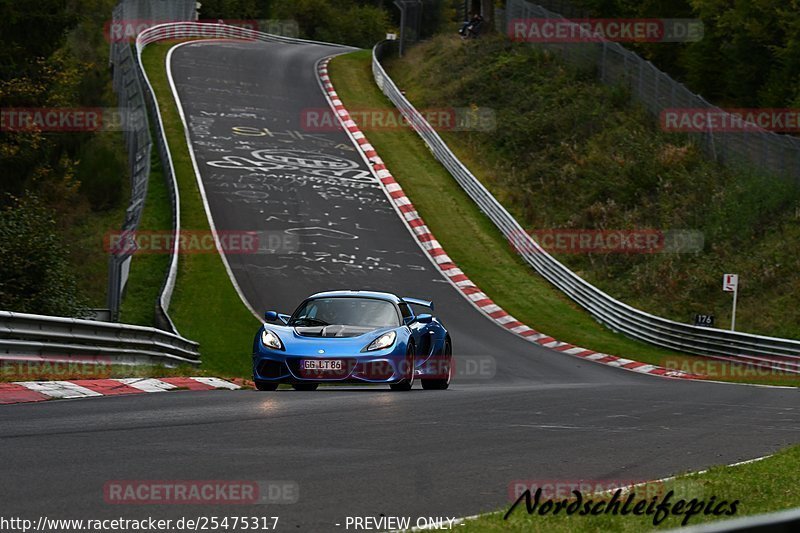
(343, 21)
(234, 9)
(35, 275)
(749, 55)
(31, 30)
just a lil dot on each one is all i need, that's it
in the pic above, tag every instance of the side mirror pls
(271, 316)
(423, 318)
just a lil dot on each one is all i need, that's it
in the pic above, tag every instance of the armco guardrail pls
(188, 30)
(23, 336)
(758, 350)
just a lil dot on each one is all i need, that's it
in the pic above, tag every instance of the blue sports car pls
(353, 337)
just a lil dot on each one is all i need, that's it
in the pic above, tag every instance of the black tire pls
(305, 386)
(442, 383)
(407, 383)
(266, 385)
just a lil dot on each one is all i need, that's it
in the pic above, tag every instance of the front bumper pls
(363, 368)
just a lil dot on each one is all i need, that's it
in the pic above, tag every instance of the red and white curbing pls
(37, 391)
(446, 265)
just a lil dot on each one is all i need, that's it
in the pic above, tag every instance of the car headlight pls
(384, 341)
(270, 340)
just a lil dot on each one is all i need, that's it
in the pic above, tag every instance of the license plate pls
(321, 364)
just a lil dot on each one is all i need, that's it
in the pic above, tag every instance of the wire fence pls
(410, 22)
(656, 91)
(133, 103)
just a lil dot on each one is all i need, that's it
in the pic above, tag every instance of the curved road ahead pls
(532, 414)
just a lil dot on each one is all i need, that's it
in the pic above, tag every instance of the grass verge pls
(760, 487)
(148, 270)
(205, 306)
(469, 237)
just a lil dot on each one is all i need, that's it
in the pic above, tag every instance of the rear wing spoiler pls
(417, 301)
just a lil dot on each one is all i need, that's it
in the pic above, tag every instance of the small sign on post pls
(730, 283)
(706, 321)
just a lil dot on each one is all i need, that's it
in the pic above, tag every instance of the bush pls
(101, 170)
(343, 22)
(749, 55)
(35, 275)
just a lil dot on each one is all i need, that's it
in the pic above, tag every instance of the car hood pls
(334, 330)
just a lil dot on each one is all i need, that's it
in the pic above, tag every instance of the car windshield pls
(365, 312)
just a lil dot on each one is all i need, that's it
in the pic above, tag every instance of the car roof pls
(358, 294)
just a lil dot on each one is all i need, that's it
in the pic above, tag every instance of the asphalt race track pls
(527, 413)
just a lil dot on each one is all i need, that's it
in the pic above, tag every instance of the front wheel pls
(265, 385)
(407, 382)
(305, 386)
(442, 383)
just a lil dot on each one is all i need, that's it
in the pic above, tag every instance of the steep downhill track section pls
(326, 220)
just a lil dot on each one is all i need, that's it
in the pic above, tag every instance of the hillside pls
(571, 154)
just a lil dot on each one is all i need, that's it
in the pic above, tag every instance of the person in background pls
(471, 28)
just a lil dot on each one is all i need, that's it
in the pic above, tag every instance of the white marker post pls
(730, 283)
